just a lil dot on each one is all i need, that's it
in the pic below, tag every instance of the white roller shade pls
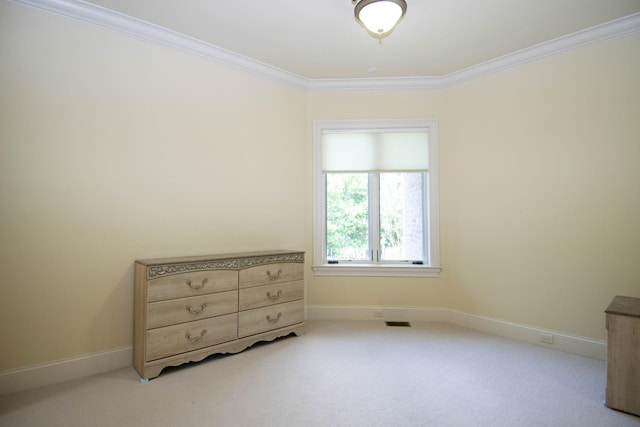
(390, 151)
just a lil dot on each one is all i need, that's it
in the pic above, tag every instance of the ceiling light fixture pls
(379, 17)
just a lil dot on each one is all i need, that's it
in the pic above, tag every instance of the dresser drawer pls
(165, 313)
(271, 273)
(262, 296)
(253, 322)
(191, 284)
(171, 340)
(186, 308)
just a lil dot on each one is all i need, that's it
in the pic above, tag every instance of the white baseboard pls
(587, 347)
(425, 314)
(92, 364)
(64, 370)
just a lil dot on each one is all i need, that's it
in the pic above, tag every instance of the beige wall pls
(113, 149)
(539, 190)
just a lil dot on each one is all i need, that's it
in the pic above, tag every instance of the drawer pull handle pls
(273, 276)
(274, 320)
(196, 310)
(274, 297)
(196, 338)
(195, 286)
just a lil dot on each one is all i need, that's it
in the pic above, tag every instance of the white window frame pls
(431, 268)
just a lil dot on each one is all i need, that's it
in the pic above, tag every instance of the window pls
(375, 198)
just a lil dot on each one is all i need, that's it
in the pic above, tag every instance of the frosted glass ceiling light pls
(379, 17)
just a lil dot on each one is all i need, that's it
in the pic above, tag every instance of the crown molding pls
(103, 17)
(128, 25)
(377, 83)
(608, 30)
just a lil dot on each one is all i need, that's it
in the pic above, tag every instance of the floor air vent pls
(398, 323)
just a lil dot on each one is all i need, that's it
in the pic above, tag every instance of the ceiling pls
(319, 39)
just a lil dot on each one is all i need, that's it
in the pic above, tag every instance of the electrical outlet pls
(378, 314)
(546, 338)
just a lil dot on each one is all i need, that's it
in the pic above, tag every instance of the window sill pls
(376, 270)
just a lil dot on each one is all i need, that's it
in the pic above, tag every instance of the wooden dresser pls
(186, 309)
(623, 354)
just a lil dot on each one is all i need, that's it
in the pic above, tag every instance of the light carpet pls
(343, 373)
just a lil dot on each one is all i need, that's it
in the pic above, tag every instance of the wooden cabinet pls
(623, 354)
(186, 309)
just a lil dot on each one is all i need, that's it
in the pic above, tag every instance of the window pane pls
(347, 216)
(401, 216)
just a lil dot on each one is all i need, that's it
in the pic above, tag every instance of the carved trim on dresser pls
(271, 259)
(154, 271)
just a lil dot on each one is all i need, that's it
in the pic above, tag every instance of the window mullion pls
(374, 216)
(426, 231)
